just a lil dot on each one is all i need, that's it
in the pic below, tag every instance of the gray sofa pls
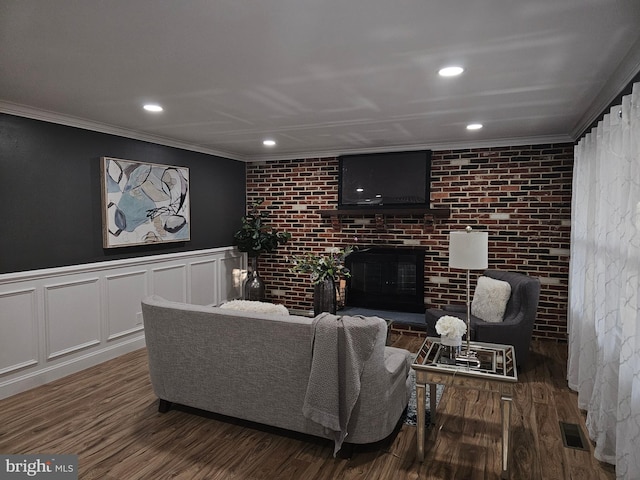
(256, 367)
(516, 327)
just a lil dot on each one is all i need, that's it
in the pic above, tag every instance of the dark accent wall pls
(51, 201)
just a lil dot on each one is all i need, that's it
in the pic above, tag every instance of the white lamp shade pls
(468, 250)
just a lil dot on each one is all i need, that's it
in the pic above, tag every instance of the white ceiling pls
(321, 77)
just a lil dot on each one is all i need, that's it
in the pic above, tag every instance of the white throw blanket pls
(341, 347)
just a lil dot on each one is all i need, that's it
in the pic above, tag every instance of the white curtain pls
(604, 315)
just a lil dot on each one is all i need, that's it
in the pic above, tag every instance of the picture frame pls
(143, 203)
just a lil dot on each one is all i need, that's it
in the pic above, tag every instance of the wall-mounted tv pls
(398, 179)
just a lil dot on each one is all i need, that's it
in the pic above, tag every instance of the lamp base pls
(469, 358)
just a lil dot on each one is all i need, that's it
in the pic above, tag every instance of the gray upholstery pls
(517, 326)
(256, 367)
(341, 347)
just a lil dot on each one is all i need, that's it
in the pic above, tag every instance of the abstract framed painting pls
(143, 203)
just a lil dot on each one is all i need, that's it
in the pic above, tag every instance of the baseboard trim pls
(48, 374)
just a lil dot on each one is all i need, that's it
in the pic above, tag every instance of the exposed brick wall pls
(521, 195)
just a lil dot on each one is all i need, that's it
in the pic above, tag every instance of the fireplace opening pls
(386, 279)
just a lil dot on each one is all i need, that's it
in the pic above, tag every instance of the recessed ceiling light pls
(450, 71)
(474, 126)
(153, 107)
(269, 143)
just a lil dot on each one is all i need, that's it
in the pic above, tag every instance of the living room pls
(67, 304)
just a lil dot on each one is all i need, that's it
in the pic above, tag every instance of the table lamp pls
(468, 250)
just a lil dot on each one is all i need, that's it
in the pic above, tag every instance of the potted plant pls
(256, 237)
(324, 270)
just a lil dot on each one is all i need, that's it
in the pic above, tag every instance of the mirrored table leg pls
(505, 403)
(420, 418)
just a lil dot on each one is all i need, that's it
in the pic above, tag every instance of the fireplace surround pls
(386, 279)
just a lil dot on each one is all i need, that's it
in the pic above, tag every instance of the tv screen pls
(399, 179)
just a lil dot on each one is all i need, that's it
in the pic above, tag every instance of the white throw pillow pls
(255, 306)
(490, 299)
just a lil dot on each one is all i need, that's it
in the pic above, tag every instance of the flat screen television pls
(398, 179)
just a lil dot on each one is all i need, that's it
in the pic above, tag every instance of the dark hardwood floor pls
(108, 416)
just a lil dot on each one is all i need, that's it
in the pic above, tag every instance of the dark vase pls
(324, 296)
(254, 285)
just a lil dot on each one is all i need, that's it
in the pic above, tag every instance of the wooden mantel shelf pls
(430, 214)
(356, 212)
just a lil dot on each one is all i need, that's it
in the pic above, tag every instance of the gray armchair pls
(517, 325)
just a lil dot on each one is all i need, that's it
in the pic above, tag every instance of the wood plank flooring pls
(108, 416)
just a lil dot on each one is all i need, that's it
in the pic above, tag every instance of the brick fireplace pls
(386, 279)
(521, 195)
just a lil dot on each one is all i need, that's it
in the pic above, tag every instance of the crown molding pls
(53, 117)
(617, 82)
(501, 142)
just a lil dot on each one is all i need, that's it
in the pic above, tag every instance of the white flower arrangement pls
(452, 327)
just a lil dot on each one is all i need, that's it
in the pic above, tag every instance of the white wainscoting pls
(58, 321)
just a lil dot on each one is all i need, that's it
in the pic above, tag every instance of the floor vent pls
(572, 436)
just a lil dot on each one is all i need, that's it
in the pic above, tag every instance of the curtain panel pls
(604, 281)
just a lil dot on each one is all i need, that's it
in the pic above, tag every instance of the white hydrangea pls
(450, 326)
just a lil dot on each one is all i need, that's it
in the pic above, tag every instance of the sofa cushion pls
(255, 306)
(490, 299)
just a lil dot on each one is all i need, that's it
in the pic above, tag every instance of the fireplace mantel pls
(429, 214)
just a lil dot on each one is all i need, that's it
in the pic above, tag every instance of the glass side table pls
(497, 373)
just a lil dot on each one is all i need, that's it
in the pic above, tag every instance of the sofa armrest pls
(496, 332)
(516, 332)
(397, 361)
(384, 394)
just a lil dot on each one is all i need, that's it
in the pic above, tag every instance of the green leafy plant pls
(330, 265)
(255, 237)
